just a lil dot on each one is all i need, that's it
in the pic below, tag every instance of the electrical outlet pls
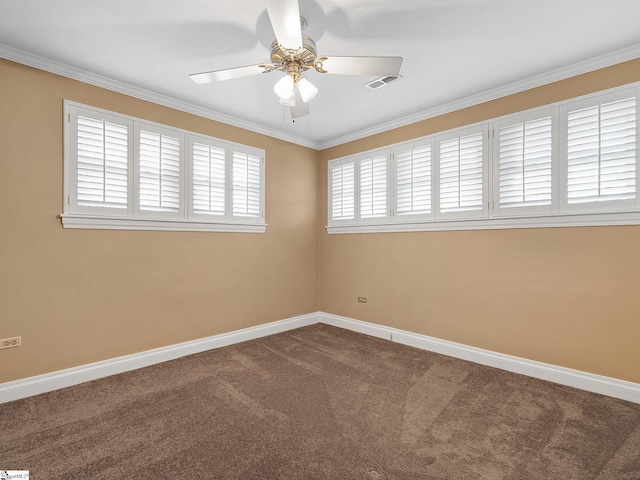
(10, 342)
(362, 299)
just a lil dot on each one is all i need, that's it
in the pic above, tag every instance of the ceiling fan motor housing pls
(304, 57)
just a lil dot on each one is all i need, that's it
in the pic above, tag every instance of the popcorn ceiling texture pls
(321, 403)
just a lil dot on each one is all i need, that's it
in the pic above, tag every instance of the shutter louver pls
(373, 187)
(159, 172)
(461, 174)
(601, 152)
(343, 191)
(246, 185)
(208, 179)
(413, 181)
(525, 164)
(102, 163)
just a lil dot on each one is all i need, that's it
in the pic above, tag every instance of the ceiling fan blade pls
(285, 20)
(383, 66)
(228, 73)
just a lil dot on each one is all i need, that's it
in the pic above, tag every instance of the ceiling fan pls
(293, 52)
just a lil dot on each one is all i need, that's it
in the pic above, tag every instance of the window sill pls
(96, 222)
(581, 220)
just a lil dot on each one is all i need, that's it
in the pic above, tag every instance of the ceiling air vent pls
(380, 82)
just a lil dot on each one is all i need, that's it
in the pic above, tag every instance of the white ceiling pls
(454, 51)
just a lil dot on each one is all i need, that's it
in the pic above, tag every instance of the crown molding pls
(58, 68)
(586, 66)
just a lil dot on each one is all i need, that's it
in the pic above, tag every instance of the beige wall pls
(80, 296)
(566, 296)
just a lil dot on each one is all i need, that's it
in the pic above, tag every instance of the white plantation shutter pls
(159, 171)
(374, 187)
(102, 163)
(342, 191)
(462, 175)
(129, 174)
(209, 179)
(572, 163)
(525, 156)
(601, 152)
(246, 185)
(413, 181)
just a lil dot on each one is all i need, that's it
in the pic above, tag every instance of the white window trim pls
(95, 222)
(580, 220)
(605, 214)
(79, 217)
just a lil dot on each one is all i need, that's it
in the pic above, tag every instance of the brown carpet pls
(321, 403)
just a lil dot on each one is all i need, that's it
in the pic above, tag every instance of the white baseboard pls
(565, 376)
(72, 376)
(65, 378)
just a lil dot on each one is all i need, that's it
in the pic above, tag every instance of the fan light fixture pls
(284, 87)
(307, 90)
(292, 85)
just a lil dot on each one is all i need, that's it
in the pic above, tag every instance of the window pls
(125, 173)
(158, 157)
(601, 152)
(413, 173)
(100, 158)
(373, 186)
(246, 181)
(208, 178)
(568, 164)
(462, 174)
(360, 189)
(524, 150)
(342, 181)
